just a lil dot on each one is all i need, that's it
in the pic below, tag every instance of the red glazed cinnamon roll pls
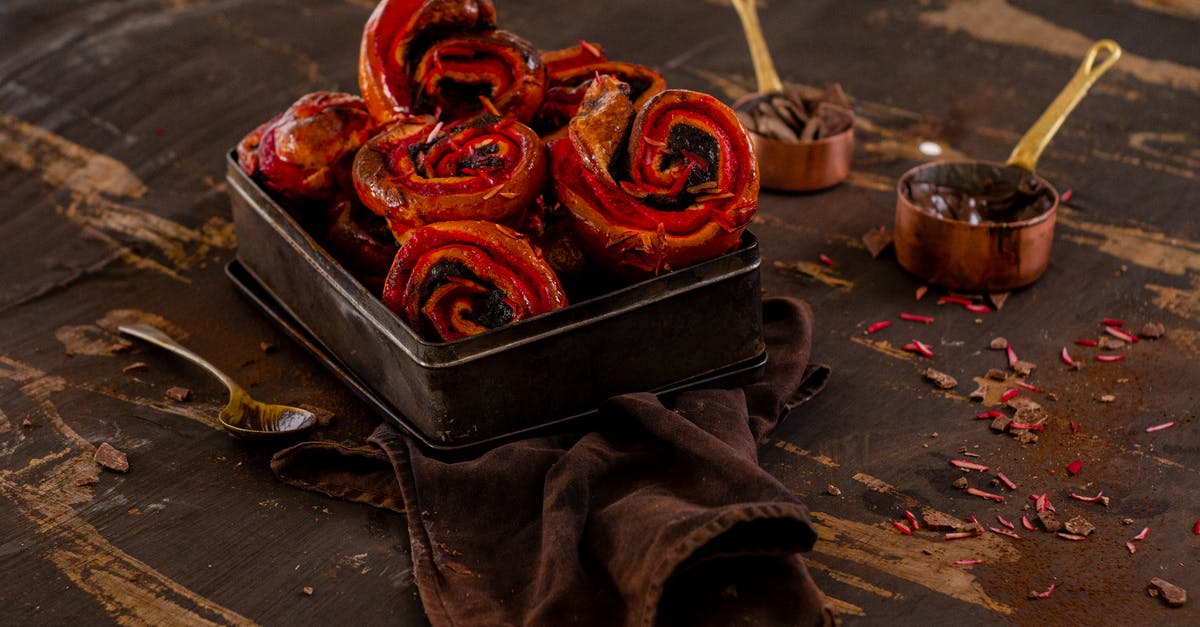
(305, 152)
(488, 168)
(452, 280)
(572, 70)
(419, 56)
(663, 187)
(361, 242)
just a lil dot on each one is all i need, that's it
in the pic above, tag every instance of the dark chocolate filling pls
(687, 137)
(488, 309)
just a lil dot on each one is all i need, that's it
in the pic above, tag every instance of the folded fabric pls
(663, 516)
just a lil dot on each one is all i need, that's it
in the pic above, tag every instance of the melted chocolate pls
(993, 201)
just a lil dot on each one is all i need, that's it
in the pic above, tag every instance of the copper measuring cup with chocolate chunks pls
(978, 226)
(803, 164)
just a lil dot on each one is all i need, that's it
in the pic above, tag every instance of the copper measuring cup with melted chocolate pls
(978, 226)
(794, 166)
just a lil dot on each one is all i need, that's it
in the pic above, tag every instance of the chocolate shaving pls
(791, 118)
(111, 458)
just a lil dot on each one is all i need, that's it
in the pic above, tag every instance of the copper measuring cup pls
(798, 166)
(990, 256)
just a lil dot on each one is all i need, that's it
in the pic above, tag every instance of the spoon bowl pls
(243, 416)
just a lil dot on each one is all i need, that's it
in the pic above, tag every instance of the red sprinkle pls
(973, 308)
(1004, 532)
(1026, 385)
(1074, 427)
(1110, 358)
(879, 326)
(1142, 536)
(1041, 426)
(1043, 595)
(1066, 196)
(985, 495)
(1120, 334)
(1160, 427)
(1132, 549)
(984, 416)
(1012, 355)
(1006, 481)
(968, 562)
(1114, 322)
(966, 465)
(1066, 357)
(912, 519)
(1075, 466)
(1004, 522)
(916, 318)
(995, 414)
(1042, 502)
(958, 535)
(1089, 499)
(1071, 536)
(825, 260)
(902, 527)
(1087, 342)
(595, 52)
(958, 300)
(1026, 524)
(1009, 394)
(1196, 529)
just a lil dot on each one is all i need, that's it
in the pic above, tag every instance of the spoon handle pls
(764, 70)
(156, 336)
(1025, 154)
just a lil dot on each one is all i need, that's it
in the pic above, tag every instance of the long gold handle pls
(764, 69)
(1025, 154)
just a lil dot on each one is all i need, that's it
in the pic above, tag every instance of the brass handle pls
(764, 69)
(1025, 154)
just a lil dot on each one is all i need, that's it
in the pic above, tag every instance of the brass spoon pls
(764, 70)
(244, 417)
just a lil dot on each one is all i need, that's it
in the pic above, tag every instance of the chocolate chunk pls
(25, 424)
(981, 393)
(308, 591)
(1153, 330)
(179, 395)
(111, 458)
(833, 490)
(135, 367)
(1049, 521)
(940, 379)
(1024, 368)
(1025, 436)
(938, 521)
(1079, 526)
(877, 240)
(1170, 593)
(1111, 343)
(1000, 423)
(998, 299)
(996, 374)
(998, 344)
(961, 483)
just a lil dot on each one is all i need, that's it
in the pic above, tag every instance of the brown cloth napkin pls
(663, 517)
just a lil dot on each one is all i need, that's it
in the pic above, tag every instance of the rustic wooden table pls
(114, 121)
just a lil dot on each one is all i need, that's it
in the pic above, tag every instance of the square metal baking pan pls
(696, 324)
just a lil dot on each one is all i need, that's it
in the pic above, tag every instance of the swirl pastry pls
(305, 152)
(452, 280)
(569, 74)
(488, 168)
(419, 56)
(664, 186)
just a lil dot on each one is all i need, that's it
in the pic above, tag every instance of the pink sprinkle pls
(1009, 394)
(1026, 524)
(1004, 522)
(903, 528)
(879, 326)
(1074, 427)
(916, 318)
(1142, 535)
(1026, 386)
(1114, 322)
(1132, 549)
(912, 520)
(956, 300)
(1012, 355)
(1004, 532)
(995, 414)
(1087, 342)
(959, 535)
(968, 562)
(1041, 426)
(1071, 536)
(916, 346)
(1120, 334)
(984, 416)
(1066, 357)
(985, 495)
(1110, 358)
(1091, 499)
(1164, 425)
(1006, 481)
(1075, 466)
(1066, 196)
(1043, 595)
(966, 465)
(973, 308)
(825, 260)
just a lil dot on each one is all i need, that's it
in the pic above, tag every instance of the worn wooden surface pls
(114, 121)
